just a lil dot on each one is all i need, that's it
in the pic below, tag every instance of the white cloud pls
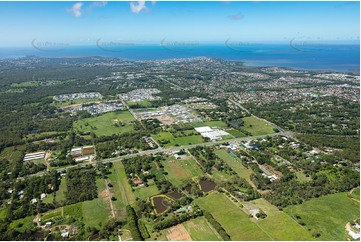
(137, 7)
(76, 9)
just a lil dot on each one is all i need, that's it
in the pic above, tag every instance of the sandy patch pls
(178, 233)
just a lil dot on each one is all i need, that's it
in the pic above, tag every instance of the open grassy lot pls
(181, 170)
(60, 194)
(256, 126)
(52, 214)
(13, 153)
(235, 164)
(97, 210)
(143, 104)
(22, 224)
(194, 139)
(327, 215)
(218, 124)
(105, 125)
(200, 230)
(25, 84)
(278, 224)
(145, 192)
(302, 177)
(76, 101)
(232, 218)
(121, 189)
(74, 210)
(236, 133)
(220, 176)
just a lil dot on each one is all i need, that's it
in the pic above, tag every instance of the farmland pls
(327, 215)
(106, 124)
(199, 229)
(186, 140)
(238, 226)
(257, 126)
(235, 164)
(181, 170)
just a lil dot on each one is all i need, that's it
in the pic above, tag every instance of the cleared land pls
(256, 126)
(76, 101)
(327, 215)
(106, 124)
(200, 230)
(178, 233)
(236, 133)
(145, 192)
(278, 224)
(235, 164)
(218, 124)
(181, 170)
(186, 140)
(232, 218)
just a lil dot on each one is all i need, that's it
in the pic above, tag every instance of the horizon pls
(83, 23)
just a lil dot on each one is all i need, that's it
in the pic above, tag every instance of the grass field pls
(51, 214)
(74, 210)
(356, 194)
(218, 124)
(104, 125)
(145, 192)
(96, 211)
(235, 164)
(121, 189)
(22, 224)
(142, 104)
(181, 170)
(76, 101)
(327, 215)
(60, 194)
(200, 230)
(302, 177)
(232, 218)
(26, 84)
(256, 126)
(12, 153)
(278, 224)
(194, 139)
(236, 133)
(220, 176)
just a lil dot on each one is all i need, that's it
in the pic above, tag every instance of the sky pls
(84, 23)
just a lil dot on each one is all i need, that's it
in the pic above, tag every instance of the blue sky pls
(83, 23)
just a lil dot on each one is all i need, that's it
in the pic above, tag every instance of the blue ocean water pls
(341, 58)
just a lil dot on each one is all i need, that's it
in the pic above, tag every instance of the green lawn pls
(194, 139)
(278, 224)
(12, 153)
(145, 192)
(220, 176)
(236, 133)
(105, 125)
(26, 84)
(356, 194)
(232, 218)
(51, 214)
(327, 215)
(74, 210)
(181, 170)
(200, 230)
(256, 126)
(218, 124)
(235, 164)
(302, 177)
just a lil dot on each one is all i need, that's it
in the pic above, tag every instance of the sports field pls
(106, 124)
(200, 230)
(279, 224)
(232, 218)
(235, 164)
(256, 126)
(186, 140)
(181, 170)
(327, 215)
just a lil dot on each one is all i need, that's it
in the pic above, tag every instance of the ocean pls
(340, 58)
